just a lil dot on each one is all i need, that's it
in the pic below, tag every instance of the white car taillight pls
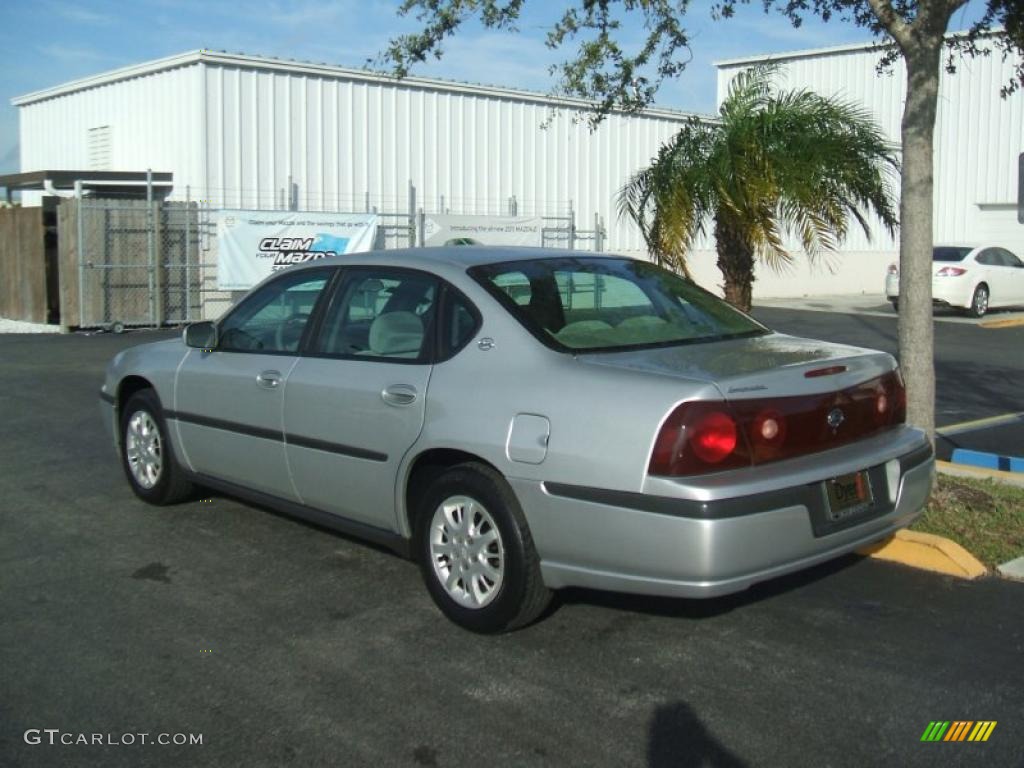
(950, 272)
(894, 269)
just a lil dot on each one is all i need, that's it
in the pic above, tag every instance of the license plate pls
(848, 496)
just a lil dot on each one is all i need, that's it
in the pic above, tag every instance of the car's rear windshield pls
(579, 304)
(950, 253)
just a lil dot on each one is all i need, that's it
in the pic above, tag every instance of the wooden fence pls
(23, 265)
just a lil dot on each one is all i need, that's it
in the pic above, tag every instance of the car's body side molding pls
(387, 539)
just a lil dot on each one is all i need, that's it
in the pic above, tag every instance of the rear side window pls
(989, 257)
(605, 304)
(381, 314)
(460, 324)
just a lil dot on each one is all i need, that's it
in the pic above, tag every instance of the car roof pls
(463, 256)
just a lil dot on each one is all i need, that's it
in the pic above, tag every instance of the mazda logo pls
(835, 418)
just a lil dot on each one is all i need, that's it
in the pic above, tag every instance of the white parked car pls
(974, 278)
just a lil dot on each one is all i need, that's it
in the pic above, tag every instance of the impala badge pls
(835, 418)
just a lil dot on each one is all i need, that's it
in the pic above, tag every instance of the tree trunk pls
(736, 262)
(916, 337)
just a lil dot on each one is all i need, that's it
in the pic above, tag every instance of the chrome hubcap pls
(981, 301)
(466, 551)
(143, 449)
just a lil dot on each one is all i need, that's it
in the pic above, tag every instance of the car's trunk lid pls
(773, 365)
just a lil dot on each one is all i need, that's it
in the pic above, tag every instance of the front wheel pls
(979, 302)
(476, 553)
(146, 454)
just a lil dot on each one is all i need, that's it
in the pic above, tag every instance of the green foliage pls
(777, 164)
(605, 69)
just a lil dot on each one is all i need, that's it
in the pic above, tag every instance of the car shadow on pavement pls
(695, 609)
(676, 737)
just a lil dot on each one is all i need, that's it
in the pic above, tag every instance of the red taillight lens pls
(711, 436)
(950, 272)
(894, 269)
(698, 437)
(714, 437)
(893, 385)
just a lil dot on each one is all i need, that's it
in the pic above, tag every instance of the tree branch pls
(894, 25)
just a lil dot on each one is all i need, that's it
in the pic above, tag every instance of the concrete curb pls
(929, 552)
(1014, 569)
(980, 473)
(1007, 322)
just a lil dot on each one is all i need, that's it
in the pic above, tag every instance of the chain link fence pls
(145, 263)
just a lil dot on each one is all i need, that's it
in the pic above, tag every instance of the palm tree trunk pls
(736, 262)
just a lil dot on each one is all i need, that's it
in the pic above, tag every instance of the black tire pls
(896, 305)
(979, 302)
(171, 484)
(522, 596)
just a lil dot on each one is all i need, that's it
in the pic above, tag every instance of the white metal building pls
(245, 131)
(978, 138)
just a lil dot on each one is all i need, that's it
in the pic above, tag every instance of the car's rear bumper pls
(952, 291)
(689, 548)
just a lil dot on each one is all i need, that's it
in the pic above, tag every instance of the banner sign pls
(253, 244)
(449, 229)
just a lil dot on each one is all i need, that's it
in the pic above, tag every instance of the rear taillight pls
(710, 436)
(950, 272)
(698, 437)
(714, 437)
(894, 269)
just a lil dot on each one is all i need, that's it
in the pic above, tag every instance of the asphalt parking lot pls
(281, 643)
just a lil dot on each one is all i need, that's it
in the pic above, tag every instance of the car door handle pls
(399, 394)
(269, 379)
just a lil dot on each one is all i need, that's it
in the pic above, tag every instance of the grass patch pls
(984, 517)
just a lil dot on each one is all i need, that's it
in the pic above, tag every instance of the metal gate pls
(138, 263)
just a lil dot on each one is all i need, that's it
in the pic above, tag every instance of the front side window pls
(588, 304)
(383, 314)
(1007, 258)
(274, 318)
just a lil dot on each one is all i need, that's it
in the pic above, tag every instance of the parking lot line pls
(971, 426)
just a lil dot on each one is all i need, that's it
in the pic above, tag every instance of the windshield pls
(950, 253)
(603, 304)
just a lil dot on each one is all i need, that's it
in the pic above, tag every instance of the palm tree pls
(774, 166)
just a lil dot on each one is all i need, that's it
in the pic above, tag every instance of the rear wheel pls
(476, 553)
(895, 304)
(146, 453)
(979, 301)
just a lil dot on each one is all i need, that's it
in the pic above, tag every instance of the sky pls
(49, 42)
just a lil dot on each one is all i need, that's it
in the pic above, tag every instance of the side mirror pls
(201, 335)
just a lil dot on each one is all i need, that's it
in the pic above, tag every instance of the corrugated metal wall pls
(978, 134)
(153, 123)
(339, 139)
(242, 131)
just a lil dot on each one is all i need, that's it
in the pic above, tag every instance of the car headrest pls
(396, 333)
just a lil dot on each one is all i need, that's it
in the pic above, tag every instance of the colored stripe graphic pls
(935, 730)
(982, 730)
(958, 730)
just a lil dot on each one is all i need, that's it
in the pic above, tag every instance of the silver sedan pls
(522, 420)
